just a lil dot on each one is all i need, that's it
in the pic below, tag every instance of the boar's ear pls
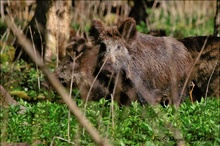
(96, 28)
(81, 47)
(128, 28)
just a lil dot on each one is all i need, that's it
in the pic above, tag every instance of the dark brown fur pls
(83, 73)
(155, 67)
(82, 69)
(157, 32)
(207, 63)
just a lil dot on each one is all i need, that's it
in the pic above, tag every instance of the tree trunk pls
(58, 30)
(48, 30)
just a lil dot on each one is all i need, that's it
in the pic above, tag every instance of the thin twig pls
(90, 89)
(206, 92)
(5, 35)
(112, 111)
(191, 69)
(26, 44)
(56, 137)
(112, 98)
(70, 95)
(41, 40)
(6, 97)
(32, 39)
(191, 91)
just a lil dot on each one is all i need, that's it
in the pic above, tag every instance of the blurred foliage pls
(183, 18)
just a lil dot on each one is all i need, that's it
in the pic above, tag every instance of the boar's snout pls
(108, 67)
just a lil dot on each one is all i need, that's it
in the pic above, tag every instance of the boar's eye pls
(102, 47)
(118, 48)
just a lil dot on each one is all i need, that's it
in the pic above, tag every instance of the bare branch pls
(28, 47)
(206, 92)
(192, 67)
(6, 97)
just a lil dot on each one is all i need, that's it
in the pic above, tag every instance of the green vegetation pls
(199, 123)
(45, 119)
(181, 18)
(24, 81)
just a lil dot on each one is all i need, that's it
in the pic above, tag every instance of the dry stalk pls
(60, 138)
(206, 92)
(26, 44)
(6, 98)
(41, 39)
(191, 69)
(90, 89)
(112, 99)
(32, 39)
(112, 111)
(5, 35)
(70, 95)
(191, 91)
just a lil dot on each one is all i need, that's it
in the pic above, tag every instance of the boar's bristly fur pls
(156, 67)
(80, 66)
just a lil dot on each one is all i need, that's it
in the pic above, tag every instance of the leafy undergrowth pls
(45, 120)
(25, 81)
(199, 123)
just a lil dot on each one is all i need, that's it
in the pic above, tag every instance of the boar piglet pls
(206, 70)
(154, 67)
(79, 65)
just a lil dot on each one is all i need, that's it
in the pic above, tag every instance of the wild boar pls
(79, 65)
(155, 67)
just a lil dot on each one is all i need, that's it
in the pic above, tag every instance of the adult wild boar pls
(156, 67)
(80, 65)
